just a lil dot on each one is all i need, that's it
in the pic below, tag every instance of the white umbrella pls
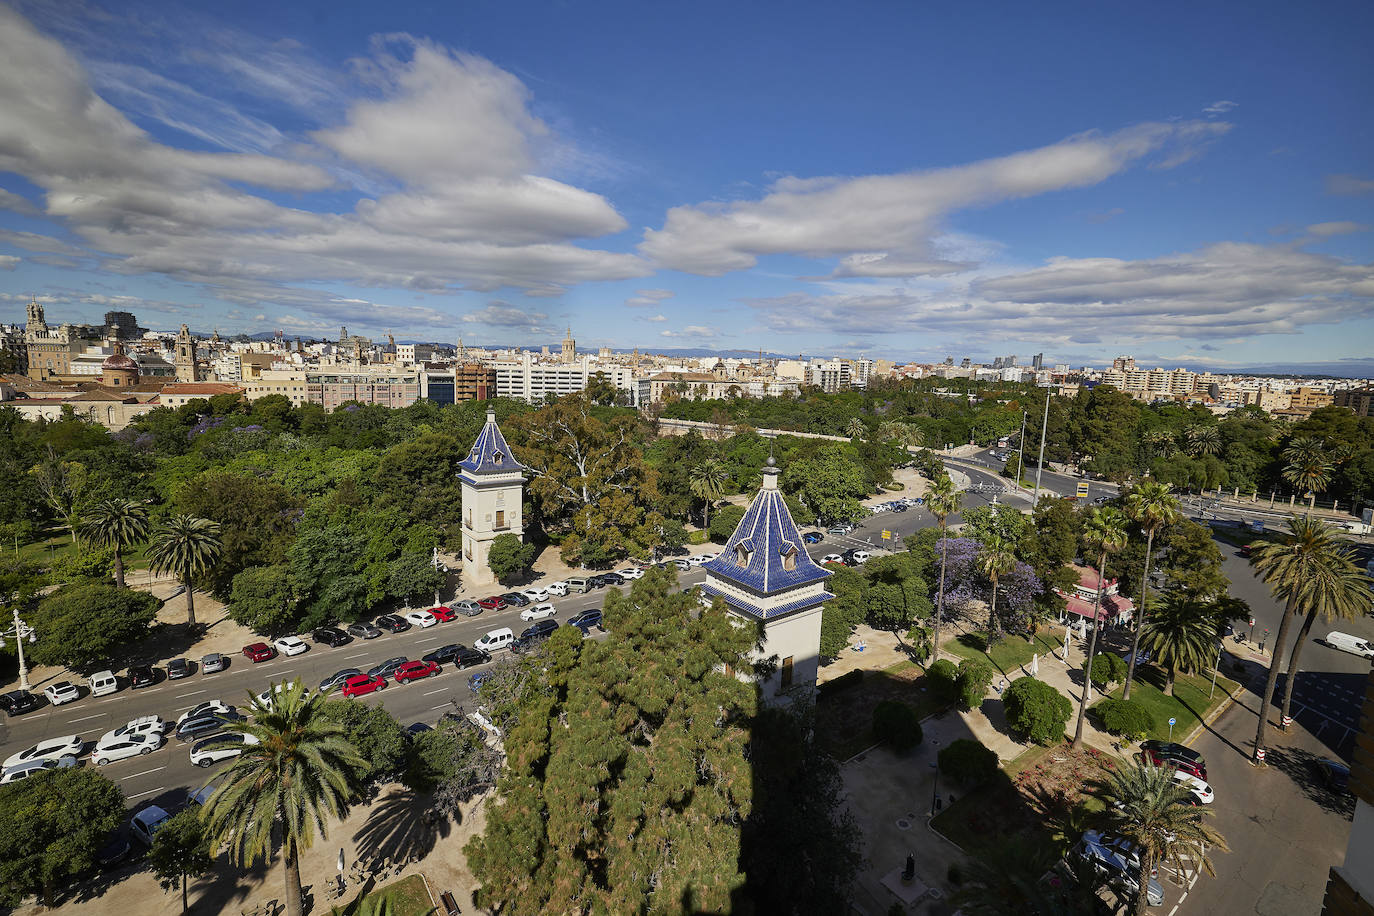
(341, 860)
(1035, 665)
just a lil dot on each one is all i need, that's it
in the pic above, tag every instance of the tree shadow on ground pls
(225, 889)
(1304, 768)
(402, 827)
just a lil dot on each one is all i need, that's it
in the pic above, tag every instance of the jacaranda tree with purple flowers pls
(967, 585)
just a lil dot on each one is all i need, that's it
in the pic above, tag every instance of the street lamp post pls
(1040, 465)
(1215, 666)
(20, 632)
(935, 765)
(1021, 455)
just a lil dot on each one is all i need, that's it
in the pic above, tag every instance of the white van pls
(103, 682)
(495, 639)
(1347, 643)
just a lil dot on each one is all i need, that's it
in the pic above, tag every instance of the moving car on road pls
(219, 747)
(538, 612)
(117, 747)
(61, 692)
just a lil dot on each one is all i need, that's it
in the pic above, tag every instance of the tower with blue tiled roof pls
(764, 575)
(493, 485)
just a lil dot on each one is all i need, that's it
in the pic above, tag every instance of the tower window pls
(787, 672)
(500, 519)
(742, 555)
(789, 557)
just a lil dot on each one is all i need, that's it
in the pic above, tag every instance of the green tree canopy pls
(83, 626)
(263, 599)
(181, 850)
(1037, 710)
(509, 558)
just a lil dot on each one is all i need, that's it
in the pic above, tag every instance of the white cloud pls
(9, 262)
(878, 217)
(692, 330)
(649, 297)
(1219, 108)
(504, 315)
(11, 201)
(655, 318)
(1349, 184)
(1341, 227)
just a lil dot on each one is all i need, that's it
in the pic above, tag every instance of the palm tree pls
(1339, 591)
(1146, 806)
(855, 428)
(1009, 876)
(996, 559)
(943, 500)
(1161, 441)
(186, 546)
(117, 524)
(1151, 505)
(707, 482)
(301, 769)
(1309, 466)
(1104, 531)
(1181, 634)
(1204, 440)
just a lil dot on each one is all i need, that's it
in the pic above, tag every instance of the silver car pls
(1117, 861)
(213, 662)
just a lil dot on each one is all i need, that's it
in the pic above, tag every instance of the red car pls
(1162, 755)
(360, 685)
(443, 614)
(413, 671)
(494, 603)
(259, 652)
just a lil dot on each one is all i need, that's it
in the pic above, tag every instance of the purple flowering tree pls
(967, 587)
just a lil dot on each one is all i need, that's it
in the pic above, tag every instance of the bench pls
(450, 903)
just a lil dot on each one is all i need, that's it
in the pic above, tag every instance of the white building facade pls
(493, 492)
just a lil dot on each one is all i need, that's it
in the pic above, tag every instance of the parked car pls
(179, 668)
(392, 624)
(475, 681)
(331, 636)
(337, 678)
(118, 747)
(538, 612)
(812, 537)
(611, 578)
(1333, 774)
(414, 671)
(362, 684)
(630, 573)
(421, 619)
(586, 620)
(839, 529)
(18, 702)
(515, 599)
(1199, 787)
(68, 746)
(213, 662)
(291, 645)
(142, 676)
(681, 564)
(442, 614)
(492, 603)
(388, 667)
(259, 652)
(833, 558)
(34, 767)
(61, 692)
(206, 723)
(469, 658)
(115, 851)
(1110, 862)
(224, 746)
(468, 608)
(443, 654)
(557, 589)
(536, 594)
(416, 729)
(268, 695)
(363, 630)
(1166, 753)
(701, 558)
(148, 822)
(534, 635)
(143, 725)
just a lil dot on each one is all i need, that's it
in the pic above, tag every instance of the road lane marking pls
(193, 693)
(145, 772)
(149, 792)
(358, 655)
(85, 718)
(445, 706)
(432, 692)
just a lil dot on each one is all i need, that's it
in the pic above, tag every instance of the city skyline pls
(908, 184)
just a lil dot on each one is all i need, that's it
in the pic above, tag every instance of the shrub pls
(943, 679)
(724, 523)
(974, 680)
(918, 638)
(696, 537)
(897, 724)
(1037, 710)
(1125, 717)
(846, 680)
(1108, 668)
(968, 762)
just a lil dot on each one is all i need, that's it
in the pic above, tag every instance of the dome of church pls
(118, 360)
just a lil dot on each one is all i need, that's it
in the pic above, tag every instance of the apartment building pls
(289, 383)
(531, 380)
(455, 384)
(388, 386)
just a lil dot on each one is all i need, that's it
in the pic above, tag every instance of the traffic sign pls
(1173, 721)
(887, 535)
(1082, 489)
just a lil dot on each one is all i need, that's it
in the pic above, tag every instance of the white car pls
(861, 556)
(291, 645)
(421, 619)
(68, 746)
(557, 589)
(537, 612)
(832, 558)
(25, 770)
(143, 725)
(701, 558)
(122, 746)
(1200, 789)
(61, 692)
(266, 696)
(202, 709)
(630, 572)
(537, 594)
(220, 747)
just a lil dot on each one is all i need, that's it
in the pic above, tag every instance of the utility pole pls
(1021, 455)
(1040, 465)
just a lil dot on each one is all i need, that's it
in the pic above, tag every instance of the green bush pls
(918, 638)
(724, 523)
(697, 537)
(967, 762)
(1125, 717)
(1108, 668)
(897, 724)
(943, 679)
(1037, 710)
(974, 680)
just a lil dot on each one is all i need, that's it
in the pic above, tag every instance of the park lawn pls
(57, 544)
(1189, 704)
(408, 897)
(1010, 653)
(844, 719)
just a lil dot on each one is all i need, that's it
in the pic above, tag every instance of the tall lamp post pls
(1040, 465)
(19, 633)
(935, 765)
(1021, 456)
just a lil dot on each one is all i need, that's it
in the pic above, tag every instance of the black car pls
(392, 623)
(1333, 774)
(1171, 751)
(534, 635)
(586, 620)
(515, 599)
(18, 702)
(612, 579)
(208, 723)
(331, 636)
(337, 678)
(141, 676)
(417, 729)
(444, 654)
(178, 668)
(388, 667)
(115, 851)
(813, 537)
(363, 631)
(469, 658)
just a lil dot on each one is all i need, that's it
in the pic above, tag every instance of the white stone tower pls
(186, 356)
(764, 574)
(493, 490)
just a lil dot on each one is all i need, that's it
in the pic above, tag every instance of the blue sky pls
(1188, 185)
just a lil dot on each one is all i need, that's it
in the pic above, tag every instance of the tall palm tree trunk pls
(940, 600)
(1140, 617)
(292, 868)
(1088, 662)
(1142, 894)
(1293, 666)
(119, 568)
(994, 628)
(190, 601)
(1169, 680)
(1273, 677)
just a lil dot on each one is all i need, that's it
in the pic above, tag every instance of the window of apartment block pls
(787, 672)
